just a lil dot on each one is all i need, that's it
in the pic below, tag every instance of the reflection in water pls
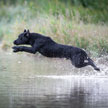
(39, 82)
(72, 92)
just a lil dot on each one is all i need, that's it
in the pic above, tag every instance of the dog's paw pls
(16, 49)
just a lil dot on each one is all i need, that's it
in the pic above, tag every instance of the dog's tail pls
(91, 62)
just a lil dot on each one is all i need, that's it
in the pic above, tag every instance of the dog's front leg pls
(23, 48)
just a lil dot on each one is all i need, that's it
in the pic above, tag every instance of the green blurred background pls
(82, 23)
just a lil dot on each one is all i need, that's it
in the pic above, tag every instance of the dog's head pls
(23, 38)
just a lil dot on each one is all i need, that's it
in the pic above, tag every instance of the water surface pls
(28, 81)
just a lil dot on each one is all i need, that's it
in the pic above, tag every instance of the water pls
(38, 82)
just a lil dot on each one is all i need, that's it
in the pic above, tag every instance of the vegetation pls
(82, 23)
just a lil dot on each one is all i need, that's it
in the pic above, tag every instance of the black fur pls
(47, 47)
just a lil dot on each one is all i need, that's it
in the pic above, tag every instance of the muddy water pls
(40, 82)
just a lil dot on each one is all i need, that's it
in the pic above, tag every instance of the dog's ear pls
(27, 33)
(24, 30)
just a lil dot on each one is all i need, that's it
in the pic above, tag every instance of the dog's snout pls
(14, 42)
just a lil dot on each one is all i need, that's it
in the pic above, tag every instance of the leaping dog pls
(47, 47)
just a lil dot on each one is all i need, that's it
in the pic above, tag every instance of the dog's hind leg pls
(79, 61)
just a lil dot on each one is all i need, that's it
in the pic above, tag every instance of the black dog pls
(47, 47)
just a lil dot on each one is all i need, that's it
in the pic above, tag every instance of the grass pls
(67, 25)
